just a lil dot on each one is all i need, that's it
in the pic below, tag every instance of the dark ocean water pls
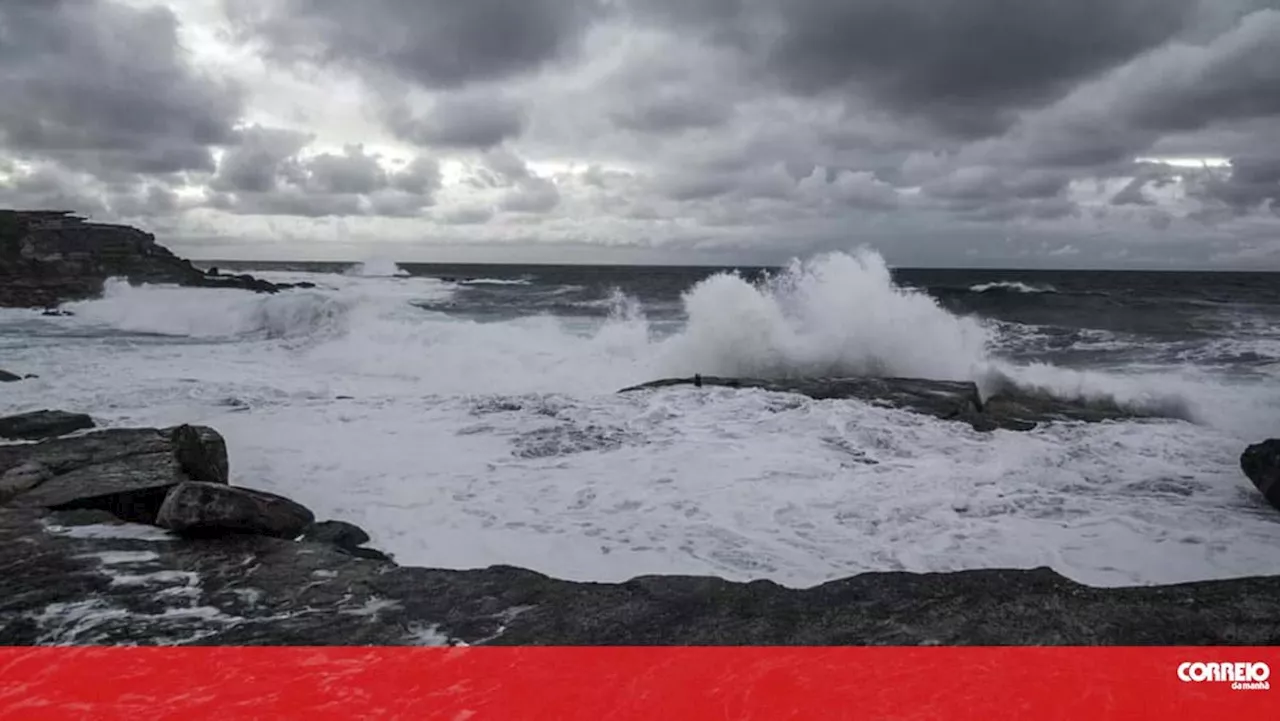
(1107, 319)
(468, 415)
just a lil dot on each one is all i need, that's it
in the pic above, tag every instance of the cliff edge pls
(49, 257)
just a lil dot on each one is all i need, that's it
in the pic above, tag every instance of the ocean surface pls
(468, 415)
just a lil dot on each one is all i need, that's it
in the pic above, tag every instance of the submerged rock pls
(127, 472)
(346, 537)
(61, 587)
(7, 377)
(38, 425)
(212, 509)
(337, 533)
(949, 400)
(1261, 463)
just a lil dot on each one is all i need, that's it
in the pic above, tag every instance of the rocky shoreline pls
(52, 257)
(135, 536)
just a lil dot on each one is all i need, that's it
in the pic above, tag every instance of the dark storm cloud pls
(963, 63)
(1250, 183)
(106, 87)
(670, 115)
(266, 173)
(258, 159)
(1179, 88)
(433, 43)
(462, 121)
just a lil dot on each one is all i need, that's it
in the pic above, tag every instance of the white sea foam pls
(1012, 287)
(495, 281)
(468, 444)
(377, 268)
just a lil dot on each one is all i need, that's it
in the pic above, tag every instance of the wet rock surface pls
(211, 509)
(125, 471)
(84, 578)
(254, 568)
(38, 425)
(1261, 464)
(1010, 409)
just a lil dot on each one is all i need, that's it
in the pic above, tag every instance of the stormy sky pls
(1026, 133)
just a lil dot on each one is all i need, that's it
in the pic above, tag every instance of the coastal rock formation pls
(7, 377)
(127, 472)
(211, 509)
(38, 425)
(51, 257)
(83, 578)
(949, 400)
(1261, 463)
(86, 577)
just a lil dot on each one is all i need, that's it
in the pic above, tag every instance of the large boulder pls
(127, 472)
(38, 425)
(211, 509)
(1261, 463)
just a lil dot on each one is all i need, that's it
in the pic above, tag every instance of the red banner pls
(670, 684)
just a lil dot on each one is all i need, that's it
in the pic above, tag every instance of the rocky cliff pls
(51, 257)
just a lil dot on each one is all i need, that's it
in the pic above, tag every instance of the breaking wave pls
(210, 313)
(838, 314)
(1011, 287)
(377, 268)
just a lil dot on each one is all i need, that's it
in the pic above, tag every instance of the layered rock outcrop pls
(52, 257)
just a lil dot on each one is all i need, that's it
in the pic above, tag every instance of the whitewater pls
(460, 442)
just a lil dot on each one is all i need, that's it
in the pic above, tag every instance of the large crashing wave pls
(836, 314)
(213, 313)
(842, 315)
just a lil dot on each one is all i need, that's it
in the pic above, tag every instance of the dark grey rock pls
(255, 590)
(127, 472)
(212, 509)
(1261, 463)
(38, 425)
(7, 377)
(346, 537)
(337, 533)
(202, 453)
(48, 258)
(1010, 409)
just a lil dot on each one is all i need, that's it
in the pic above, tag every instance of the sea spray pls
(377, 268)
(836, 314)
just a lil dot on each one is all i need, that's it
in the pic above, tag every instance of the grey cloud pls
(1251, 182)
(1179, 88)
(420, 177)
(664, 115)
(258, 159)
(353, 172)
(461, 121)
(107, 87)
(438, 44)
(468, 216)
(963, 63)
(265, 173)
(533, 195)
